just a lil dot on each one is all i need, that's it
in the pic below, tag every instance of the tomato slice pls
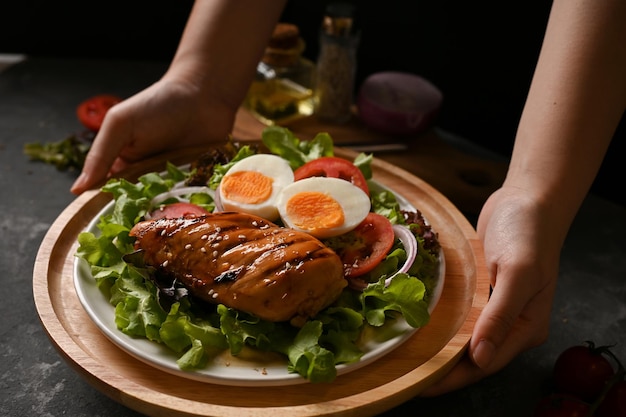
(363, 248)
(335, 167)
(91, 112)
(176, 210)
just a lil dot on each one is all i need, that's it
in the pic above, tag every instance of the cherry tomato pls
(582, 371)
(561, 405)
(614, 403)
(364, 247)
(332, 166)
(91, 112)
(176, 210)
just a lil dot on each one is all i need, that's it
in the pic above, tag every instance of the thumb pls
(103, 153)
(494, 325)
(515, 319)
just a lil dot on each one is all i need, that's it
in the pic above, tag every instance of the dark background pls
(480, 54)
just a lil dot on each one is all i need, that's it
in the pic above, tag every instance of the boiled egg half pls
(253, 185)
(323, 206)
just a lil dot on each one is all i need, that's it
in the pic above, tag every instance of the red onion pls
(398, 103)
(178, 191)
(218, 200)
(410, 246)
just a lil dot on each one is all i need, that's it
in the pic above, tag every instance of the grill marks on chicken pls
(244, 262)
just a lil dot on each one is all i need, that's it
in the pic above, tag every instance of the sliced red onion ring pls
(178, 191)
(410, 246)
(218, 200)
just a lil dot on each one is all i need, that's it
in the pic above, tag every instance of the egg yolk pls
(314, 210)
(248, 187)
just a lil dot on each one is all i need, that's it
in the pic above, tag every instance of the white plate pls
(250, 368)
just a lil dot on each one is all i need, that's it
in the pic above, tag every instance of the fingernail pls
(78, 184)
(483, 353)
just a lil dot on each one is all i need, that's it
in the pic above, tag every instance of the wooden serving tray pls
(423, 359)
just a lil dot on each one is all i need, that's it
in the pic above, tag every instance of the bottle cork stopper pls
(284, 47)
(285, 36)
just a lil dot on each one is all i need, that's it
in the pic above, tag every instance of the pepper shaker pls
(336, 64)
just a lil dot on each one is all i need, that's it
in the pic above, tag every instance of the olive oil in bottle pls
(283, 89)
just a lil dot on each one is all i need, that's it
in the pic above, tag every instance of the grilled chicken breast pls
(244, 262)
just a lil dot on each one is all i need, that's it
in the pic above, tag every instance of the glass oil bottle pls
(283, 88)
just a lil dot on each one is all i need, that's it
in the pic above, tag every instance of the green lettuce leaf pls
(308, 358)
(364, 163)
(175, 173)
(243, 329)
(405, 295)
(173, 330)
(342, 327)
(195, 339)
(282, 142)
(66, 154)
(137, 312)
(194, 358)
(385, 203)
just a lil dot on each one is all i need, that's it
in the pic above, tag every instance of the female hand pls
(197, 99)
(170, 114)
(522, 255)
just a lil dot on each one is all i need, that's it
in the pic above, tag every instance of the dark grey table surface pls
(37, 102)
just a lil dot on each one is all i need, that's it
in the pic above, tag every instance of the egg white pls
(269, 165)
(354, 202)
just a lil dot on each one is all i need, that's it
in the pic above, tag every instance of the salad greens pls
(282, 142)
(196, 331)
(66, 154)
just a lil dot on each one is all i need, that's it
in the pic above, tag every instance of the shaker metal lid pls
(339, 19)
